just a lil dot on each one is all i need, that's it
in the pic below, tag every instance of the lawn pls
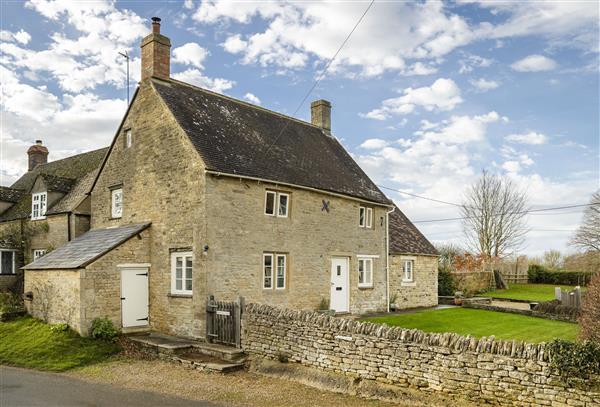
(28, 342)
(531, 292)
(478, 323)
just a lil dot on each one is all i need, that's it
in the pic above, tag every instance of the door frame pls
(347, 260)
(135, 266)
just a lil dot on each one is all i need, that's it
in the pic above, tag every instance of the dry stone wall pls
(486, 370)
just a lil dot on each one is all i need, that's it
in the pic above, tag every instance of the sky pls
(426, 95)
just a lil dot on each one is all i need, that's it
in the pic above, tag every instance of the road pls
(26, 388)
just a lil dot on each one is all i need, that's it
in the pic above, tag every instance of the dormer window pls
(39, 202)
(117, 203)
(277, 204)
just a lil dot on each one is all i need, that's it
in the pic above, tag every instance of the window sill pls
(171, 295)
(43, 218)
(113, 218)
(365, 287)
(408, 284)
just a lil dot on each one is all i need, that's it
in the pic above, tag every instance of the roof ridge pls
(231, 98)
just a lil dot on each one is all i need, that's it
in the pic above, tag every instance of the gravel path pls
(237, 389)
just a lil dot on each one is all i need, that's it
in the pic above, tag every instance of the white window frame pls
(362, 216)
(405, 279)
(287, 205)
(277, 257)
(366, 271)
(264, 275)
(13, 271)
(274, 194)
(369, 220)
(184, 256)
(128, 138)
(37, 253)
(113, 210)
(277, 203)
(39, 204)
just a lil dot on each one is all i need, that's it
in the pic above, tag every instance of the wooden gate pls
(224, 321)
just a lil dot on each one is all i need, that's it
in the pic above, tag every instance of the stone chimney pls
(156, 53)
(320, 114)
(38, 154)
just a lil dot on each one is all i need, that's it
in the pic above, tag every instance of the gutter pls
(321, 191)
(387, 257)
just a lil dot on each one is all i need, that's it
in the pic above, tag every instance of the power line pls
(321, 76)
(420, 196)
(508, 213)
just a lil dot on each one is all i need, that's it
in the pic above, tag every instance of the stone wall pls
(422, 292)
(56, 296)
(485, 370)
(473, 282)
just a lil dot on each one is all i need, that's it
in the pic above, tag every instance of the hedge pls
(446, 283)
(540, 275)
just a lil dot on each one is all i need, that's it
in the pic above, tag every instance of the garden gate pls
(224, 321)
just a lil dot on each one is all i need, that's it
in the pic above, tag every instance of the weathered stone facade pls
(485, 370)
(423, 290)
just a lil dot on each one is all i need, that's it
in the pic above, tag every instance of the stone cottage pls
(44, 209)
(202, 194)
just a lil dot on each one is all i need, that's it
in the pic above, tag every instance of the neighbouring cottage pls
(44, 209)
(202, 194)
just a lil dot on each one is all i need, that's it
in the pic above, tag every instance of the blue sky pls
(425, 94)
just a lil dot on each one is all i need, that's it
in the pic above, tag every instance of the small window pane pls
(270, 203)
(178, 284)
(188, 285)
(178, 273)
(361, 219)
(6, 266)
(280, 271)
(369, 217)
(128, 139)
(117, 203)
(283, 205)
(268, 271)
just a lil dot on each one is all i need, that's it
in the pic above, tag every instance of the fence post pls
(239, 305)
(557, 293)
(209, 318)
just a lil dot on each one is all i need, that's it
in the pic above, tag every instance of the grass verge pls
(531, 292)
(478, 323)
(28, 342)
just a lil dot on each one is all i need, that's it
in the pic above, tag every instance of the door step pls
(219, 351)
(197, 361)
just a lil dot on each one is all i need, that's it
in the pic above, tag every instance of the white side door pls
(134, 296)
(340, 294)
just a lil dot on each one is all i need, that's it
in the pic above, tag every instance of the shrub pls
(590, 311)
(103, 328)
(446, 283)
(10, 302)
(573, 359)
(59, 328)
(540, 275)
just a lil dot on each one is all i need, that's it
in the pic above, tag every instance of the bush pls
(590, 311)
(446, 283)
(10, 302)
(573, 359)
(103, 328)
(540, 275)
(59, 328)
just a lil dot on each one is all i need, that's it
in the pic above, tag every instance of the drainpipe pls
(387, 257)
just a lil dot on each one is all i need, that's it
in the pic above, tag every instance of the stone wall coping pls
(452, 341)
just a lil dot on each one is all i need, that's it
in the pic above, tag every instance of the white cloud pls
(483, 85)
(459, 129)
(534, 63)
(22, 37)
(527, 138)
(442, 95)
(252, 98)
(190, 54)
(470, 62)
(196, 77)
(374, 144)
(234, 44)
(188, 4)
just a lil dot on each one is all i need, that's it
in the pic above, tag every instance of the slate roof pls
(58, 173)
(405, 238)
(86, 248)
(58, 184)
(10, 194)
(234, 137)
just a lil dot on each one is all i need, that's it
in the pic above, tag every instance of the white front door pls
(134, 296)
(340, 295)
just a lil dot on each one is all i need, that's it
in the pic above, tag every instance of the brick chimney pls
(156, 53)
(38, 154)
(320, 114)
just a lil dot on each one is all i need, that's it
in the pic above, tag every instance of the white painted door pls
(340, 295)
(134, 296)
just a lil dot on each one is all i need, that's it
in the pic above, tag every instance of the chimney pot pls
(156, 53)
(38, 154)
(320, 114)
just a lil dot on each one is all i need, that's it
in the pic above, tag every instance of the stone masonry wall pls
(162, 179)
(422, 292)
(56, 296)
(239, 233)
(497, 372)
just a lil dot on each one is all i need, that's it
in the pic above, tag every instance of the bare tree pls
(494, 212)
(448, 252)
(587, 236)
(553, 259)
